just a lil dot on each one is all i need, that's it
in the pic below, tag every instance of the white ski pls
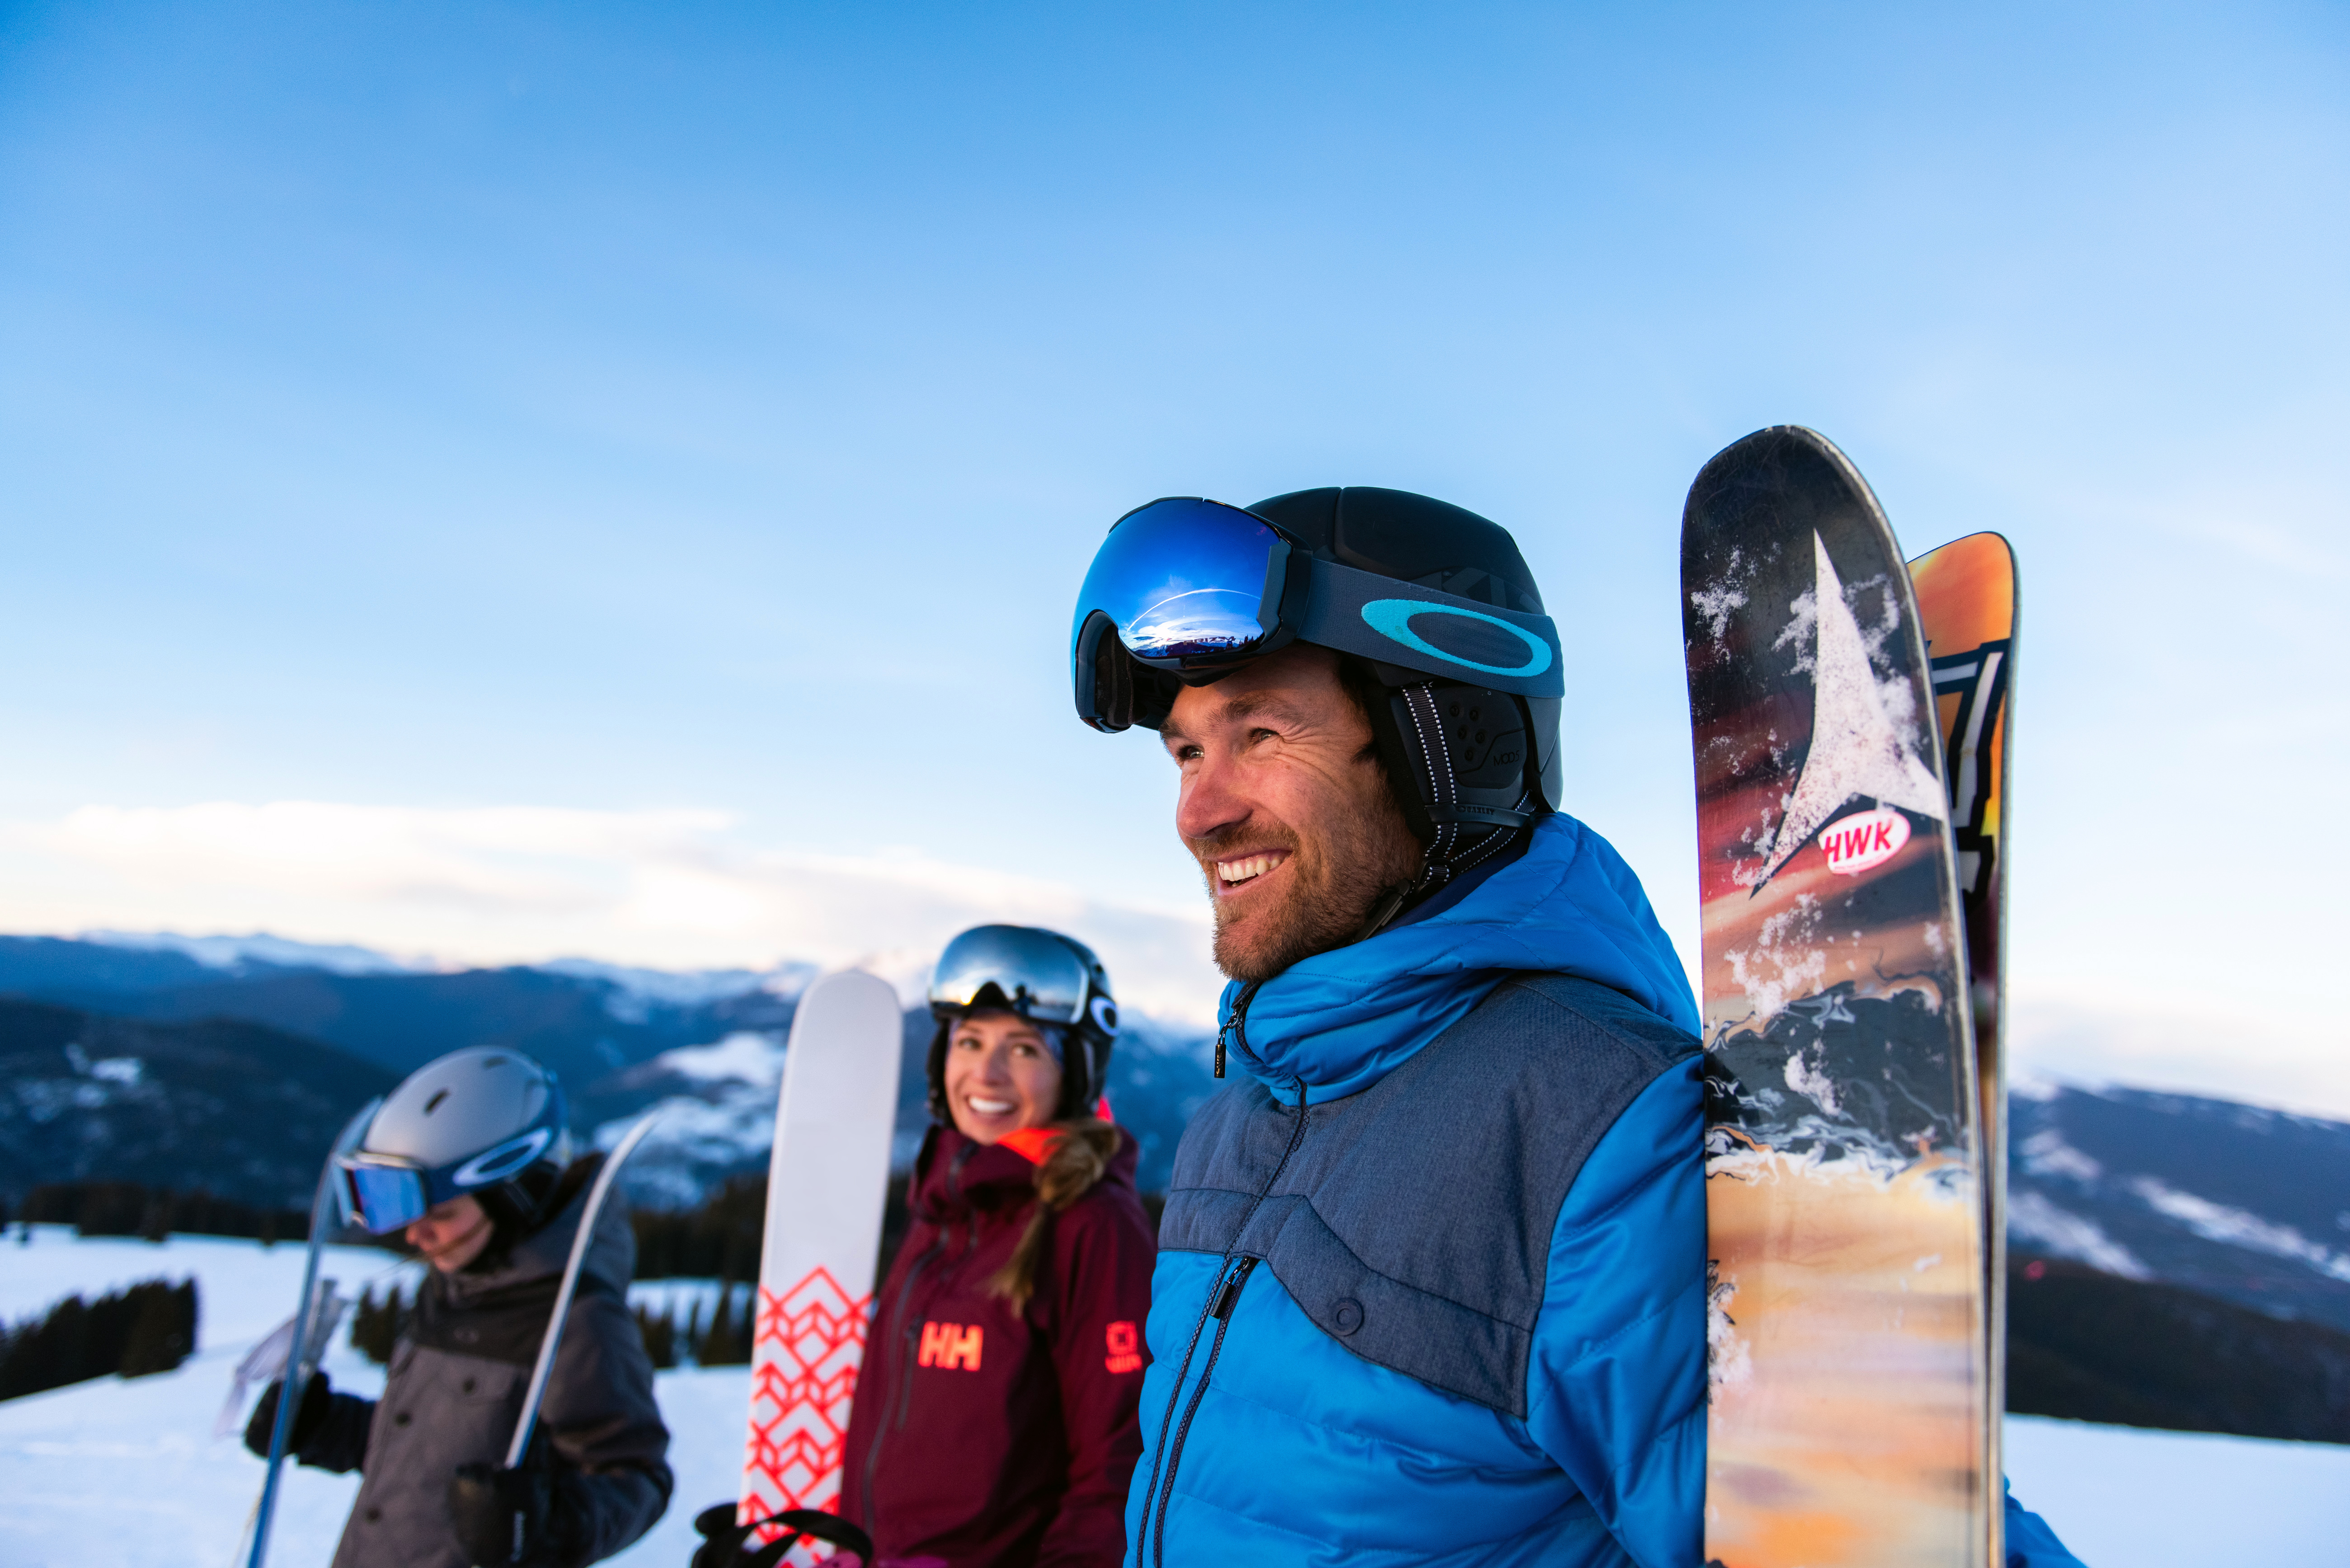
(825, 1183)
(581, 1240)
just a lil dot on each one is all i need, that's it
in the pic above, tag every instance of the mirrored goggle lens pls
(1182, 579)
(383, 1197)
(1014, 959)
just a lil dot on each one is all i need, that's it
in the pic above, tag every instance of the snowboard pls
(1849, 1341)
(826, 1180)
(1967, 603)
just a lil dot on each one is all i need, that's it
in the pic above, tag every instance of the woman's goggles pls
(1189, 587)
(1034, 973)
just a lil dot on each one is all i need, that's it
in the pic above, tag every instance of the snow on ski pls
(825, 1184)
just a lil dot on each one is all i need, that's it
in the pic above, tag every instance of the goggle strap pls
(1363, 613)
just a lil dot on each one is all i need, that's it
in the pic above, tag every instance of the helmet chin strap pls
(1388, 905)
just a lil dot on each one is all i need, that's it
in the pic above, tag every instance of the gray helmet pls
(486, 1120)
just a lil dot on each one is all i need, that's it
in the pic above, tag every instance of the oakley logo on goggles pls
(1190, 587)
(1037, 973)
(385, 1192)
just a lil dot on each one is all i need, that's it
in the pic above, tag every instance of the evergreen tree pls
(660, 1335)
(164, 1331)
(75, 1340)
(724, 1344)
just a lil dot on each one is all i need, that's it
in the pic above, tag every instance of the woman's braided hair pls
(1081, 1151)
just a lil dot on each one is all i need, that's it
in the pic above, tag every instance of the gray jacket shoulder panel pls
(1413, 1223)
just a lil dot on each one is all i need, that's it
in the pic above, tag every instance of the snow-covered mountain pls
(585, 1019)
(707, 1045)
(2245, 1205)
(241, 1110)
(2233, 1201)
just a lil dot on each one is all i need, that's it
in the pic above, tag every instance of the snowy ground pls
(128, 1474)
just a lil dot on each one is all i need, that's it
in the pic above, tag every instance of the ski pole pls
(289, 1397)
(580, 1242)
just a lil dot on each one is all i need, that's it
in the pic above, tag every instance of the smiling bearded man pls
(1431, 1281)
(1286, 807)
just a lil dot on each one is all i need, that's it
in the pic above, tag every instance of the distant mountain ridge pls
(2246, 1205)
(583, 1020)
(2243, 1205)
(620, 1039)
(239, 1109)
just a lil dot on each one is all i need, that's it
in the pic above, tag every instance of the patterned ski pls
(826, 1185)
(1849, 1420)
(1967, 600)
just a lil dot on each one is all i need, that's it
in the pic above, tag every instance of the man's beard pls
(1331, 893)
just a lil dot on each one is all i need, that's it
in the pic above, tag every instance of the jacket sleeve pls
(341, 1440)
(2031, 1543)
(1103, 1254)
(614, 1477)
(1616, 1388)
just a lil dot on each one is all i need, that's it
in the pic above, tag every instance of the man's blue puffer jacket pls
(1267, 1440)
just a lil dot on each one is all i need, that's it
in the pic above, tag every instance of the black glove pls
(500, 1515)
(723, 1538)
(308, 1415)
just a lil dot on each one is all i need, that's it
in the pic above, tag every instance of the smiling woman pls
(994, 1419)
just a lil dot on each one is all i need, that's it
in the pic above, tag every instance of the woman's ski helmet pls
(1434, 603)
(485, 1121)
(1039, 975)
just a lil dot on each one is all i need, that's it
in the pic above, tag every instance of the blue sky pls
(533, 434)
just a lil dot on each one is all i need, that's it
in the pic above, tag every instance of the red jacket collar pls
(1031, 1143)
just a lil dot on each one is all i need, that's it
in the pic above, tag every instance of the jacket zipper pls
(907, 1339)
(1221, 1303)
(1222, 1297)
(1236, 1025)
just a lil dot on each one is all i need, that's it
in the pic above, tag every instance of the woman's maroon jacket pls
(980, 1435)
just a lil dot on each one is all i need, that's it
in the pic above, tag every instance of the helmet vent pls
(434, 1102)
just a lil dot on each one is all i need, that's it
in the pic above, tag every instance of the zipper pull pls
(1234, 1025)
(1229, 1296)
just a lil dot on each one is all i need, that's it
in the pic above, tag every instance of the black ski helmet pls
(1038, 975)
(1434, 603)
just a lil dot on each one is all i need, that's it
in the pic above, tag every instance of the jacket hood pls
(1341, 1021)
(611, 1252)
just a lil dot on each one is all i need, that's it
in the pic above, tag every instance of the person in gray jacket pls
(466, 1159)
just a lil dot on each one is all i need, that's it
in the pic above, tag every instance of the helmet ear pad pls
(520, 1204)
(936, 1071)
(1457, 757)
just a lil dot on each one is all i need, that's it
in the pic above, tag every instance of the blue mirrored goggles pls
(1185, 590)
(386, 1192)
(380, 1194)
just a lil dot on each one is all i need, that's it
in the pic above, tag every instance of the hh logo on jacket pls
(1125, 1349)
(950, 1344)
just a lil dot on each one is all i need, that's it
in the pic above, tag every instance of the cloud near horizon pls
(669, 889)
